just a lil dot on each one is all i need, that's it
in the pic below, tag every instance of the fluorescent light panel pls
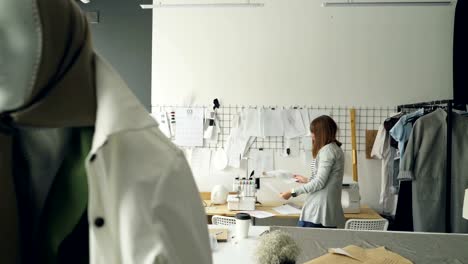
(220, 5)
(387, 3)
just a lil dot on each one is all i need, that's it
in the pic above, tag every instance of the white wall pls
(295, 52)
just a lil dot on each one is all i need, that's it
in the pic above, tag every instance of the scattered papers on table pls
(259, 214)
(286, 209)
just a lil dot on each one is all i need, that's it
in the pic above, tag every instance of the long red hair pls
(324, 129)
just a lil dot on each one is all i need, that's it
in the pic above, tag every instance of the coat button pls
(93, 157)
(99, 222)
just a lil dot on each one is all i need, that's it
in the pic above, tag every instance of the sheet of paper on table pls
(286, 209)
(259, 214)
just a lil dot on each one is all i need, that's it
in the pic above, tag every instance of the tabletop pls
(221, 209)
(235, 252)
(420, 248)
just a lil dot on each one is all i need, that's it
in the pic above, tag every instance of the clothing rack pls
(448, 162)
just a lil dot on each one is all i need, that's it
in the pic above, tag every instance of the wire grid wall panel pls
(367, 118)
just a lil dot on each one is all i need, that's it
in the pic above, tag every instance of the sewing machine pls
(245, 197)
(350, 198)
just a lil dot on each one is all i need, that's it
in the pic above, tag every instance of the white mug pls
(243, 221)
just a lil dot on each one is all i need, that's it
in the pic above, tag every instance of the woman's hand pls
(301, 179)
(285, 195)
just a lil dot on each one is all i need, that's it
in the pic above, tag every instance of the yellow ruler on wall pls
(352, 112)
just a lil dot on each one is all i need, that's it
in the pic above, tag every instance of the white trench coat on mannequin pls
(144, 206)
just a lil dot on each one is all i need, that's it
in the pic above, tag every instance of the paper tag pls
(343, 252)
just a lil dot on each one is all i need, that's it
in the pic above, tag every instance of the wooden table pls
(366, 212)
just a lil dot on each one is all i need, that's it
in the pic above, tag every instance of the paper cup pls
(243, 221)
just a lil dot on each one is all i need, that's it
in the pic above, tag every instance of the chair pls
(223, 220)
(367, 224)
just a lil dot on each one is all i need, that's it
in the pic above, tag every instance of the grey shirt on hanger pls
(459, 172)
(424, 162)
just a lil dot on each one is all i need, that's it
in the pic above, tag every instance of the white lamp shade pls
(465, 205)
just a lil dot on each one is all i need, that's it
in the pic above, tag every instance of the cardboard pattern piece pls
(370, 139)
(220, 233)
(354, 254)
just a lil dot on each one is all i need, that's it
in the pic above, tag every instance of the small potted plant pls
(277, 247)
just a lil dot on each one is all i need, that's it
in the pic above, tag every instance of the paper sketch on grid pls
(163, 121)
(237, 147)
(293, 123)
(251, 122)
(212, 127)
(261, 161)
(272, 122)
(314, 113)
(189, 129)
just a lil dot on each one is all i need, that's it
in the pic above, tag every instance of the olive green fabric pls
(68, 197)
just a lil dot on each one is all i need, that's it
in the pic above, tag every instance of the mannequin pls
(41, 150)
(82, 163)
(20, 46)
